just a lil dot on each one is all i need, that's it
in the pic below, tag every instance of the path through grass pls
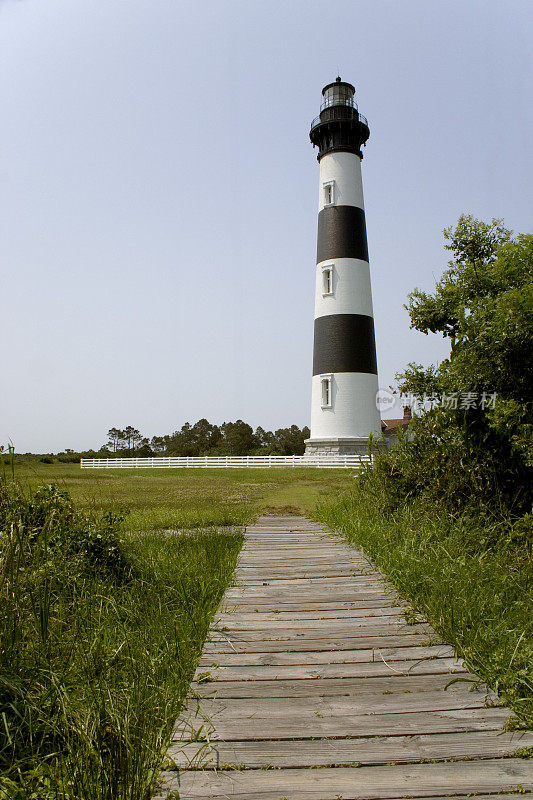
(102, 620)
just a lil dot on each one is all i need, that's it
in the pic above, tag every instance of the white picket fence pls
(226, 462)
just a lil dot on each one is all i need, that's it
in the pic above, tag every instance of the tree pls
(290, 441)
(159, 444)
(131, 437)
(484, 304)
(205, 436)
(114, 436)
(238, 438)
(193, 440)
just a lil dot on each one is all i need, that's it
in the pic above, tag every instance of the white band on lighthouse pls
(344, 386)
(345, 171)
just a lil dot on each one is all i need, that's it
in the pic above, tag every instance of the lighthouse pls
(345, 382)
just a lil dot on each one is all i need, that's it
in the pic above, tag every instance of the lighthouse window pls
(329, 193)
(326, 391)
(327, 281)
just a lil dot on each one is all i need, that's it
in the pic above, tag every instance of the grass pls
(99, 636)
(471, 577)
(187, 498)
(103, 618)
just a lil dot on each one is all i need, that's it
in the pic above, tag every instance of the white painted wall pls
(351, 284)
(345, 170)
(353, 411)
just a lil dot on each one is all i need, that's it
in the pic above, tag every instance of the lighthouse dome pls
(338, 93)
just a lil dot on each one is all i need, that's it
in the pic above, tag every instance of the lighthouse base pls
(348, 446)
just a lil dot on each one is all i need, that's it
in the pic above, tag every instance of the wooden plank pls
(327, 752)
(301, 726)
(370, 783)
(386, 654)
(250, 612)
(269, 709)
(339, 613)
(296, 605)
(341, 585)
(309, 645)
(436, 666)
(339, 686)
(297, 549)
(251, 558)
(333, 626)
(366, 628)
(337, 581)
(257, 621)
(303, 594)
(265, 540)
(249, 585)
(301, 548)
(309, 574)
(295, 556)
(247, 576)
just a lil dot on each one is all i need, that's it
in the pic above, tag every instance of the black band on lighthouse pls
(341, 233)
(344, 343)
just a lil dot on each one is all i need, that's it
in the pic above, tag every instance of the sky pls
(158, 195)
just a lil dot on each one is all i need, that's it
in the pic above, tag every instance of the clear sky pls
(159, 194)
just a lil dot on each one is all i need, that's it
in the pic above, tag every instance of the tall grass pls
(471, 576)
(99, 636)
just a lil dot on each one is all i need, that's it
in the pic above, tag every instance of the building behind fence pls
(224, 462)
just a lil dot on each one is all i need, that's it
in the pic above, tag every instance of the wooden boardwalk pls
(312, 686)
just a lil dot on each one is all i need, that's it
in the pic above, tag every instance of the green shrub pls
(99, 636)
(459, 459)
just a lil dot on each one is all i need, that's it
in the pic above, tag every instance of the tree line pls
(205, 438)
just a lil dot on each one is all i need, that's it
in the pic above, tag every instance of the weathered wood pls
(365, 751)
(385, 654)
(284, 585)
(280, 614)
(259, 621)
(308, 632)
(338, 573)
(310, 645)
(309, 663)
(300, 597)
(339, 686)
(255, 556)
(371, 783)
(295, 605)
(433, 666)
(361, 568)
(335, 626)
(302, 726)
(217, 710)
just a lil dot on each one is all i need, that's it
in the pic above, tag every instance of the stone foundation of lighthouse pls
(344, 416)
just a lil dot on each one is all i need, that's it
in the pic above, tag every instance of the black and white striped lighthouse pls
(345, 382)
